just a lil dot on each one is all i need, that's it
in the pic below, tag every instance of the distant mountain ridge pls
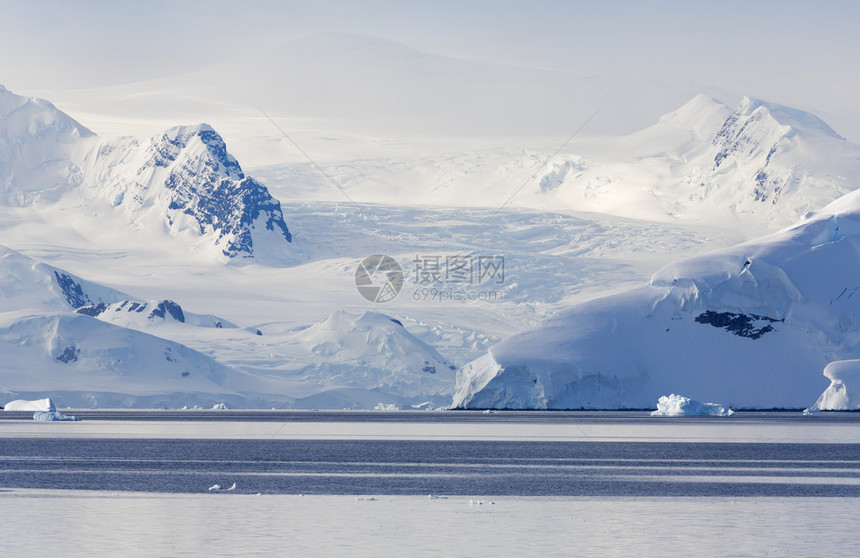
(758, 162)
(181, 180)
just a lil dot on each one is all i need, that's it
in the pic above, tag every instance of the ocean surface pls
(426, 483)
(518, 467)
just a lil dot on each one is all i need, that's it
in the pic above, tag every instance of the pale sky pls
(802, 53)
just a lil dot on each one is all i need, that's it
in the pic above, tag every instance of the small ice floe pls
(367, 499)
(476, 502)
(38, 405)
(219, 407)
(218, 488)
(489, 412)
(435, 497)
(680, 406)
(55, 416)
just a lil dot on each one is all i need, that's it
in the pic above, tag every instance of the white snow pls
(679, 406)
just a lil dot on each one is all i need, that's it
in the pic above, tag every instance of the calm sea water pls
(413, 467)
(410, 484)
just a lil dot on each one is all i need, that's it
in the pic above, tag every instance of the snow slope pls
(38, 148)
(53, 342)
(28, 286)
(373, 351)
(84, 362)
(750, 326)
(182, 183)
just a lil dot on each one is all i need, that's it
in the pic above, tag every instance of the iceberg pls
(680, 406)
(386, 407)
(56, 416)
(843, 393)
(38, 405)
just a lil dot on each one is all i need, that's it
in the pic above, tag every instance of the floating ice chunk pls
(435, 497)
(232, 487)
(678, 406)
(843, 393)
(386, 407)
(219, 407)
(53, 416)
(215, 488)
(368, 499)
(38, 405)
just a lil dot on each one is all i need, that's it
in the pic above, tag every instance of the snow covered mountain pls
(51, 339)
(87, 345)
(38, 148)
(85, 362)
(759, 163)
(374, 352)
(27, 286)
(182, 182)
(186, 179)
(751, 326)
(138, 212)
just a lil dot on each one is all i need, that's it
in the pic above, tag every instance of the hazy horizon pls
(794, 53)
